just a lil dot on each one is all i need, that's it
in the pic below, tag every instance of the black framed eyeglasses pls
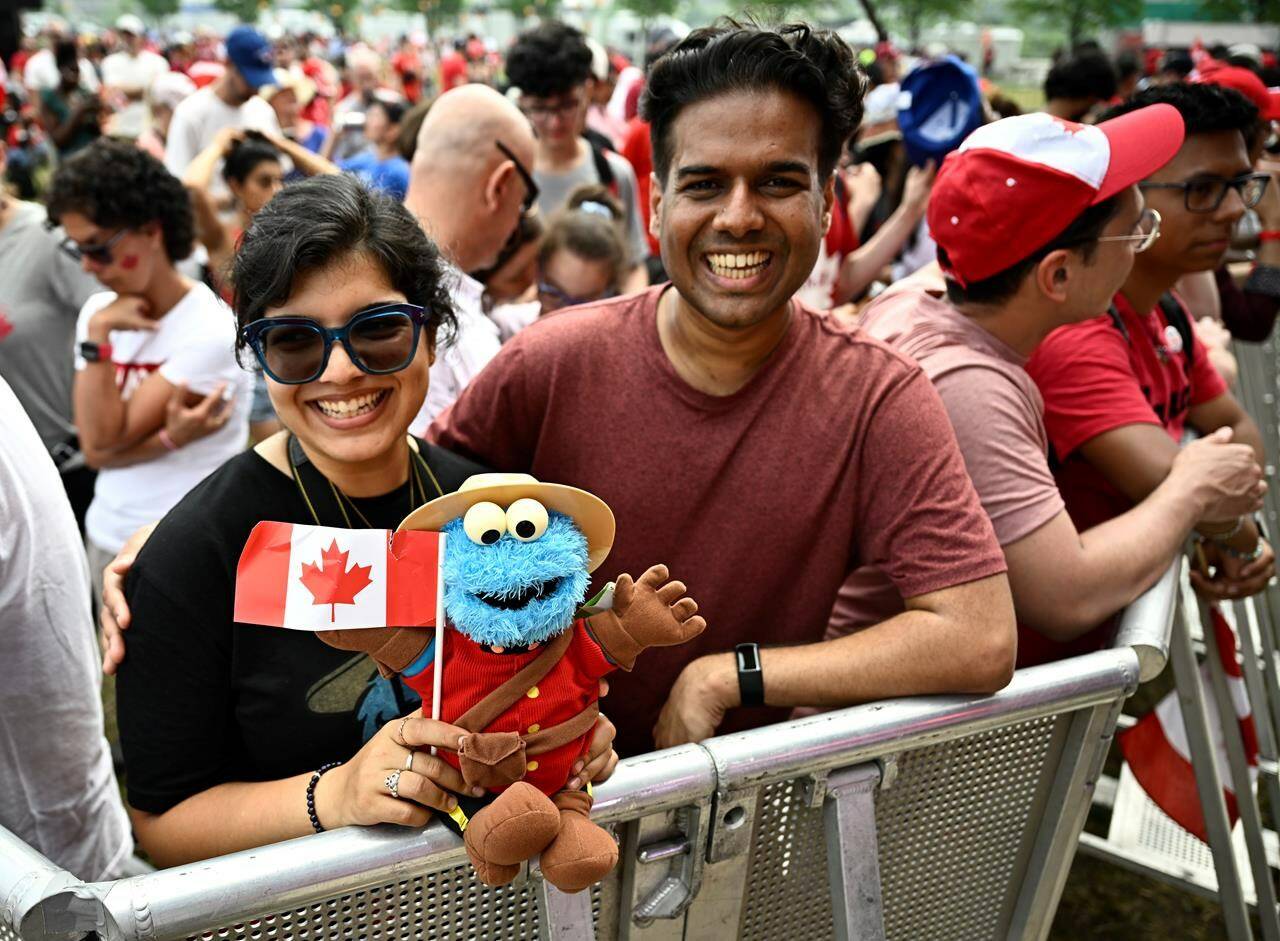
(548, 292)
(530, 187)
(378, 340)
(98, 254)
(1206, 194)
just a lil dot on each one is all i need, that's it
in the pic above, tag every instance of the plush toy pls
(522, 663)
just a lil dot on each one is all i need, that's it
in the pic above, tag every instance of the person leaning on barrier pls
(1011, 278)
(757, 445)
(229, 729)
(761, 448)
(1121, 389)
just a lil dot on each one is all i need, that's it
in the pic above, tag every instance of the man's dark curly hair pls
(815, 65)
(116, 185)
(1084, 75)
(550, 59)
(310, 224)
(1205, 108)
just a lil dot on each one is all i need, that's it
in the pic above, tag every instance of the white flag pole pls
(438, 663)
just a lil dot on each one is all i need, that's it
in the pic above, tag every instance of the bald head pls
(464, 190)
(460, 131)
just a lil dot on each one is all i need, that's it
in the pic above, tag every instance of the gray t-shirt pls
(554, 190)
(41, 293)
(58, 791)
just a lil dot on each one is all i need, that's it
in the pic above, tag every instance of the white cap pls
(131, 24)
(881, 105)
(599, 60)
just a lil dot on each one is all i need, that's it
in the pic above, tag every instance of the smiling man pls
(1119, 390)
(761, 450)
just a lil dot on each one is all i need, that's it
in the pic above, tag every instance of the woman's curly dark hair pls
(310, 224)
(815, 65)
(116, 185)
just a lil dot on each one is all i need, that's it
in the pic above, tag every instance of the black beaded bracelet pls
(311, 794)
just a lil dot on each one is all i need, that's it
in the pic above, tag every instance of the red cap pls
(1013, 186)
(1245, 82)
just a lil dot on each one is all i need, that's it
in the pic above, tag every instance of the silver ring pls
(393, 784)
(408, 760)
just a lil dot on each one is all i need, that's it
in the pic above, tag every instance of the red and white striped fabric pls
(317, 578)
(1160, 758)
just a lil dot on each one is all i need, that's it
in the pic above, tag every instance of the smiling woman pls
(339, 296)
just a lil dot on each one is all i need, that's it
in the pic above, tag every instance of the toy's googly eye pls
(526, 519)
(485, 523)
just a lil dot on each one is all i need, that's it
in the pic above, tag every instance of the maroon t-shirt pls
(836, 454)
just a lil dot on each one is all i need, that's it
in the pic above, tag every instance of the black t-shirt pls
(203, 700)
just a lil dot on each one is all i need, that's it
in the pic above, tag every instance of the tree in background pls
(246, 11)
(435, 13)
(340, 12)
(916, 14)
(1080, 18)
(158, 10)
(1249, 11)
(647, 10)
(529, 9)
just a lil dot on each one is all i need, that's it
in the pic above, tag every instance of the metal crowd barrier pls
(937, 817)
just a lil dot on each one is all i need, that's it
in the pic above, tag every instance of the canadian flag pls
(1160, 758)
(317, 578)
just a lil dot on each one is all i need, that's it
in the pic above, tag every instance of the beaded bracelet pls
(311, 794)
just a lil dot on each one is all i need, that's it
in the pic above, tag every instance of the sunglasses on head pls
(378, 340)
(98, 254)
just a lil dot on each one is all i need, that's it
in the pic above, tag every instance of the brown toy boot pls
(516, 826)
(582, 853)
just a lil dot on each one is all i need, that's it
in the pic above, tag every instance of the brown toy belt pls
(484, 713)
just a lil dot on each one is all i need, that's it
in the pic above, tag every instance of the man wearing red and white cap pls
(1038, 221)
(1120, 390)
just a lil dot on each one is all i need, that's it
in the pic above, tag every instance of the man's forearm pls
(225, 819)
(915, 653)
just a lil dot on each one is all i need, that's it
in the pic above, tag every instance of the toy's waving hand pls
(652, 612)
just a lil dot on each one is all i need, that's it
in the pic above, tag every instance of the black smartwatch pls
(750, 676)
(95, 352)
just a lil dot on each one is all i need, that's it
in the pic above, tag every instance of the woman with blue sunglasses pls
(236, 735)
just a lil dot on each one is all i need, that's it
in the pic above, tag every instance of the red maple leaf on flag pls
(332, 583)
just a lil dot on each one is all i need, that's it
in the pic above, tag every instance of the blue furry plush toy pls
(522, 663)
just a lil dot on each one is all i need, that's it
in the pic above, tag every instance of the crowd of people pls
(905, 411)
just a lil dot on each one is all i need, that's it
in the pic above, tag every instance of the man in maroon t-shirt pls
(759, 449)
(1120, 390)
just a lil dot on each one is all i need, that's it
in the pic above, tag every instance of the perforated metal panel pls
(445, 906)
(952, 829)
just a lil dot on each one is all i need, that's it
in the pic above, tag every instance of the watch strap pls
(95, 352)
(750, 676)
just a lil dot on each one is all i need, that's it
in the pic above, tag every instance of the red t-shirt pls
(638, 150)
(472, 671)
(1094, 380)
(453, 71)
(836, 454)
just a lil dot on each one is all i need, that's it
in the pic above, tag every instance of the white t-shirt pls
(192, 343)
(129, 73)
(476, 342)
(41, 72)
(58, 791)
(198, 119)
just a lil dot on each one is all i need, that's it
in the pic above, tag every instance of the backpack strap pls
(1175, 315)
(603, 171)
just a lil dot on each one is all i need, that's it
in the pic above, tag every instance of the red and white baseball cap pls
(1015, 185)
(1266, 100)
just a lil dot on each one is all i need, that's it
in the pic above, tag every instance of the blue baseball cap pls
(939, 105)
(249, 51)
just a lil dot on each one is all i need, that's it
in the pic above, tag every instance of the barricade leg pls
(1246, 801)
(1262, 696)
(1088, 741)
(853, 856)
(564, 917)
(1186, 675)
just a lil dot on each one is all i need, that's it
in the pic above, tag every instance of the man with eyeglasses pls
(1120, 390)
(469, 186)
(551, 65)
(1011, 278)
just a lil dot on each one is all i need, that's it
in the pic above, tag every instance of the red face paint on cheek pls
(129, 262)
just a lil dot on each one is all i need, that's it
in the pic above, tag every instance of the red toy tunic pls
(472, 671)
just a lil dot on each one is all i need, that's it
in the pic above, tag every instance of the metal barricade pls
(934, 817)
